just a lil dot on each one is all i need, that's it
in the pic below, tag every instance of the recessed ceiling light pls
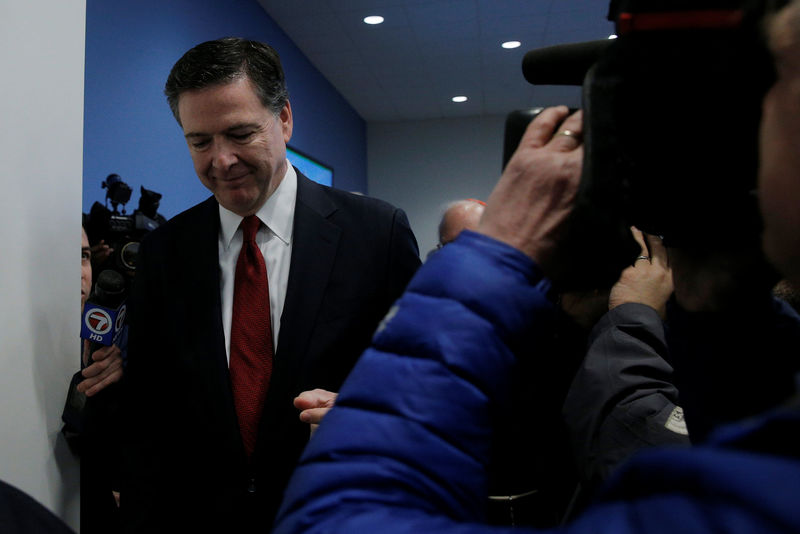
(373, 19)
(511, 44)
(459, 99)
(612, 36)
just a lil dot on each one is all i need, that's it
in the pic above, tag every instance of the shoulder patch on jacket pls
(676, 423)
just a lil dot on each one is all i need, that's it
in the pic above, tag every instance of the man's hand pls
(649, 280)
(314, 405)
(106, 369)
(534, 196)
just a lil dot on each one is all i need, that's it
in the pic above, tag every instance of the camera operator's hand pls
(649, 280)
(106, 369)
(535, 194)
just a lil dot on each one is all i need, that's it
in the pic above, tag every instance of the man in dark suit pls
(230, 323)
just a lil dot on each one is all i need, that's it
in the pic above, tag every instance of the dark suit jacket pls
(352, 257)
(21, 514)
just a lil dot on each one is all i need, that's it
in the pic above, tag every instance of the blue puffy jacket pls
(405, 449)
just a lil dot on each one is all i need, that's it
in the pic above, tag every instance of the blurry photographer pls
(115, 235)
(413, 423)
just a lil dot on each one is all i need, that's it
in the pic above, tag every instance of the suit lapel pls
(314, 244)
(198, 251)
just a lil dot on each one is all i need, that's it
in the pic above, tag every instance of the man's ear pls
(286, 121)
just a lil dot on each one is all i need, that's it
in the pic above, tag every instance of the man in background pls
(458, 216)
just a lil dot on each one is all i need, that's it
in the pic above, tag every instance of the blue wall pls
(131, 46)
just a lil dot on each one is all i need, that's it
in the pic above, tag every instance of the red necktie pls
(251, 335)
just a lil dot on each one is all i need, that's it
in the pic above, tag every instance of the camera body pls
(671, 116)
(673, 108)
(122, 232)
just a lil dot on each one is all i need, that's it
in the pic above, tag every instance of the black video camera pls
(671, 115)
(120, 231)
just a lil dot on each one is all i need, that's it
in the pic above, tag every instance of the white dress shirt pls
(274, 238)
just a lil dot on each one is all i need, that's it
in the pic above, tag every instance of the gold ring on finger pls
(570, 133)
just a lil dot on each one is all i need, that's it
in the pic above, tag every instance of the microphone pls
(562, 64)
(104, 313)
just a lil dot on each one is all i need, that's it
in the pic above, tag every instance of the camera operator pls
(413, 424)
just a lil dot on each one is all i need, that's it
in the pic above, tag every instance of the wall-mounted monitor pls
(312, 168)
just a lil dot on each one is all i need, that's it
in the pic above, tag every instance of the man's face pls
(86, 268)
(237, 145)
(779, 172)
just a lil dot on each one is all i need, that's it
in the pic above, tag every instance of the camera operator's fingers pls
(541, 128)
(658, 252)
(570, 133)
(649, 280)
(531, 202)
(639, 237)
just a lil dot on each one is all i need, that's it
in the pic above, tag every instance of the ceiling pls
(428, 51)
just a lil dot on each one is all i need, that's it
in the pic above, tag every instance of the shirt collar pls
(277, 213)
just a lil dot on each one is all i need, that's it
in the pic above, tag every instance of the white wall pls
(421, 165)
(41, 140)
